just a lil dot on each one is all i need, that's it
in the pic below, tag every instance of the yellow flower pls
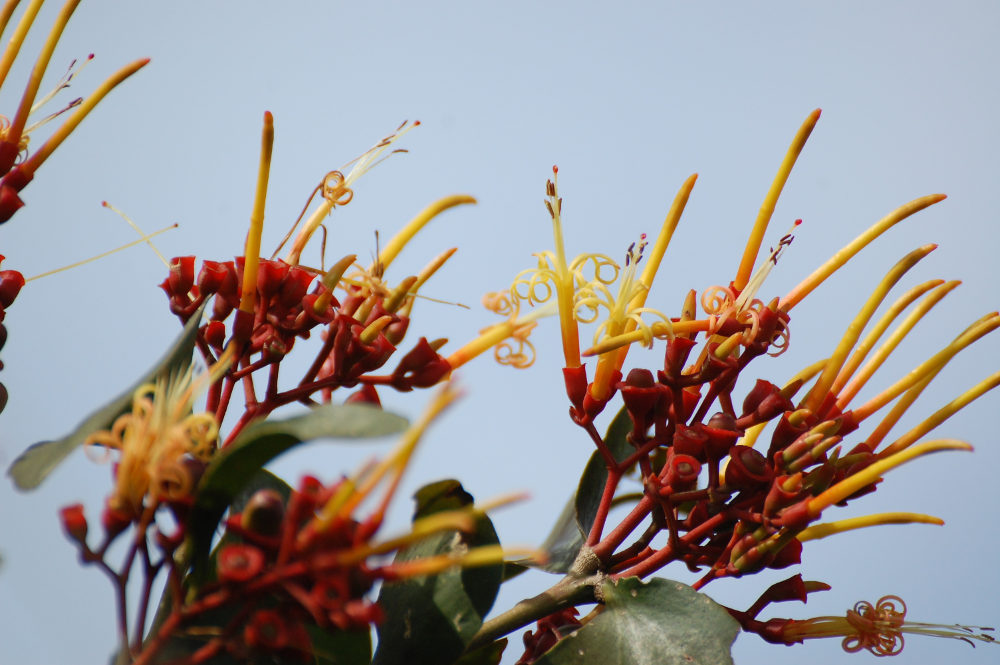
(161, 441)
(877, 628)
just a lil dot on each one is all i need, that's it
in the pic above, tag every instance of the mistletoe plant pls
(236, 565)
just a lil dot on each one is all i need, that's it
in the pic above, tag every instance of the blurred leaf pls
(429, 620)
(230, 471)
(337, 647)
(659, 623)
(39, 460)
(489, 654)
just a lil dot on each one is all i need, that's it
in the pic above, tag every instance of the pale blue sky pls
(628, 102)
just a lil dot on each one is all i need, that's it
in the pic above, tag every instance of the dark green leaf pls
(489, 654)
(429, 620)
(235, 466)
(659, 623)
(337, 647)
(39, 460)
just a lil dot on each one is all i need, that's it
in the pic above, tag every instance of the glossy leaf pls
(661, 622)
(337, 647)
(39, 460)
(235, 466)
(429, 620)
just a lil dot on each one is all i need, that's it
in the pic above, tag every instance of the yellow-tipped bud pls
(817, 531)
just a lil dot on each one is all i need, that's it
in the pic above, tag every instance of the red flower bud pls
(11, 282)
(264, 513)
(690, 441)
(74, 522)
(215, 334)
(213, 275)
(270, 276)
(747, 468)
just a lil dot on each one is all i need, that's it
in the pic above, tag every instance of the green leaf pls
(337, 647)
(39, 460)
(659, 623)
(429, 620)
(237, 464)
(489, 654)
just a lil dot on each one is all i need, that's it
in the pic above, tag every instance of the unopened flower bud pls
(74, 522)
(11, 282)
(264, 513)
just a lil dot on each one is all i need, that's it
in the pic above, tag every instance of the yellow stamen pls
(818, 276)
(486, 555)
(139, 241)
(751, 435)
(771, 200)
(20, 118)
(942, 414)
(336, 188)
(406, 234)
(426, 274)
(35, 159)
(252, 252)
(822, 387)
(930, 366)
(342, 507)
(17, 39)
(658, 328)
(847, 393)
(873, 472)
(817, 531)
(400, 293)
(731, 344)
(129, 221)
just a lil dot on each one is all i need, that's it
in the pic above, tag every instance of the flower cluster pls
(726, 507)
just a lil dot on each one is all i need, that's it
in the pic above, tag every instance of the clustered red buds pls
(360, 331)
(11, 282)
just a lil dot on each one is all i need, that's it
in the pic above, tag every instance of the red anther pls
(294, 288)
(270, 276)
(675, 356)
(11, 282)
(367, 395)
(215, 334)
(682, 472)
(747, 468)
(74, 522)
(181, 277)
(239, 562)
(690, 441)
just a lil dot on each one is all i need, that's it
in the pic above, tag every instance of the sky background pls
(628, 102)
